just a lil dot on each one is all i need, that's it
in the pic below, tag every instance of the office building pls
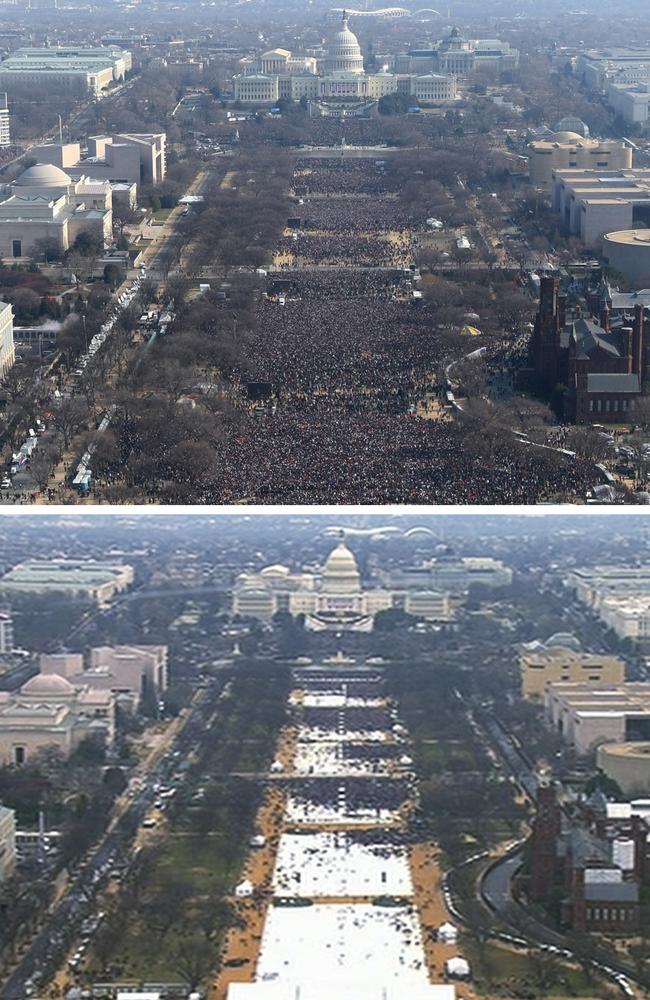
(28, 72)
(561, 659)
(566, 150)
(6, 632)
(7, 843)
(121, 158)
(460, 56)
(593, 202)
(587, 715)
(96, 581)
(7, 349)
(5, 125)
(596, 66)
(449, 573)
(592, 584)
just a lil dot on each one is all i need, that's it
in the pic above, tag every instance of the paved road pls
(49, 948)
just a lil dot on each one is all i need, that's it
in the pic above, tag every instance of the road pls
(48, 950)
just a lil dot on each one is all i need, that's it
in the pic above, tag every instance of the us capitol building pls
(333, 599)
(279, 74)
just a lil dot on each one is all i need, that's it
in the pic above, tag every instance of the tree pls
(123, 216)
(46, 249)
(68, 418)
(194, 960)
(88, 244)
(394, 104)
(27, 306)
(114, 780)
(109, 935)
(112, 275)
(40, 466)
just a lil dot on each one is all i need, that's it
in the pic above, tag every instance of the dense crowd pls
(342, 350)
(335, 283)
(342, 176)
(329, 456)
(360, 215)
(356, 369)
(339, 250)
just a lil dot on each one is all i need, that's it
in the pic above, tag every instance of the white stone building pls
(7, 843)
(121, 158)
(333, 598)
(45, 203)
(593, 202)
(588, 716)
(49, 711)
(5, 126)
(96, 581)
(63, 69)
(6, 632)
(7, 349)
(459, 56)
(125, 671)
(277, 74)
(566, 150)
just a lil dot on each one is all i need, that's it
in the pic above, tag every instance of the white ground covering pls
(330, 864)
(340, 701)
(326, 759)
(375, 945)
(322, 989)
(305, 811)
(344, 735)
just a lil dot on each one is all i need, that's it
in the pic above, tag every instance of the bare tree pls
(68, 418)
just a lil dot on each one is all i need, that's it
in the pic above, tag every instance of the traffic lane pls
(50, 948)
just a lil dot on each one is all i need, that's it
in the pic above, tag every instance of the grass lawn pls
(497, 970)
(142, 957)
(199, 859)
(142, 954)
(161, 215)
(436, 756)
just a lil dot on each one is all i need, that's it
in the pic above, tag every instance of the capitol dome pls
(343, 51)
(43, 175)
(47, 686)
(341, 573)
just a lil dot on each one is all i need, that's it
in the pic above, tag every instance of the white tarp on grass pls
(336, 864)
(327, 759)
(380, 946)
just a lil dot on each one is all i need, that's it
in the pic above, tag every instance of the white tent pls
(457, 968)
(447, 933)
(276, 767)
(244, 888)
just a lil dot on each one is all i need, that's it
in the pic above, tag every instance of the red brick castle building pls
(599, 365)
